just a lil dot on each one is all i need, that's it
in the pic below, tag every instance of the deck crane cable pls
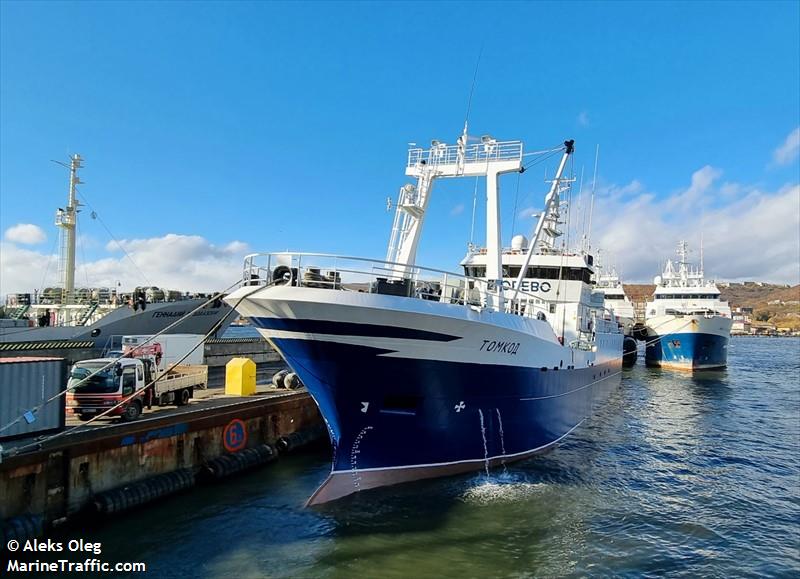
(213, 298)
(547, 154)
(149, 384)
(559, 147)
(541, 157)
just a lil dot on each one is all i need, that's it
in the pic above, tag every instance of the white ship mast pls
(485, 157)
(67, 220)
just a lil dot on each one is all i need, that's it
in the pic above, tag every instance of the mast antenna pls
(471, 92)
(579, 213)
(701, 252)
(702, 231)
(474, 204)
(591, 203)
(462, 142)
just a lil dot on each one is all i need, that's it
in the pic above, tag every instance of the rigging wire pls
(565, 249)
(152, 382)
(103, 223)
(474, 205)
(49, 261)
(546, 155)
(83, 253)
(216, 296)
(581, 213)
(472, 87)
(591, 205)
(514, 215)
(543, 151)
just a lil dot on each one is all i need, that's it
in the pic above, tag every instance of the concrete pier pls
(56, 479)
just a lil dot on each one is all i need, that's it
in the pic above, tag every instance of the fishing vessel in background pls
(421, 373)
(608, 283)
(615, 299)
(688, 326)
(61, 317)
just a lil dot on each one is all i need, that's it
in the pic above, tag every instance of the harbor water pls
(679, 474)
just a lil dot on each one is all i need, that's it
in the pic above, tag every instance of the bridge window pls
(475, 271)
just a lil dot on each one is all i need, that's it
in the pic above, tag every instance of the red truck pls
(89, 397)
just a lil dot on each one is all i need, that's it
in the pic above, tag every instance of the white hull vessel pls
(688, 326)
(616, 300)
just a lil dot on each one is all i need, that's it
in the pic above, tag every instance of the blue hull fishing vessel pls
(421, 373)
(688, 325)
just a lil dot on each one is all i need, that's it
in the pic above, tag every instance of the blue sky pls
(286, 125)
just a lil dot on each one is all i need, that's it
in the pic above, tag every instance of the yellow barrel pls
(240, 377)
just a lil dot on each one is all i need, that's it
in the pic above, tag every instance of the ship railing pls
(584, 342)
(605, 320)
(357, 274)
(443, 154)
(705, 312)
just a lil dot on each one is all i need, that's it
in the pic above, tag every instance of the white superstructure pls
(681, 289)
(559, 278)
(608, 283)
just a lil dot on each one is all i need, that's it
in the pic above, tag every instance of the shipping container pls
(25, 384)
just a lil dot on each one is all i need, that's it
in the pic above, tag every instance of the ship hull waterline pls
(409, 389)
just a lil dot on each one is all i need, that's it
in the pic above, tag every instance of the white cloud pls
(755, 235)
(583, 118)
(695, 196)
(25, 233)
(23, 270)
(457, 210)
(788, 151)
(183, 262)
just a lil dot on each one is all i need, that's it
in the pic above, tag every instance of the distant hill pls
(776, 304)
(639, 292)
